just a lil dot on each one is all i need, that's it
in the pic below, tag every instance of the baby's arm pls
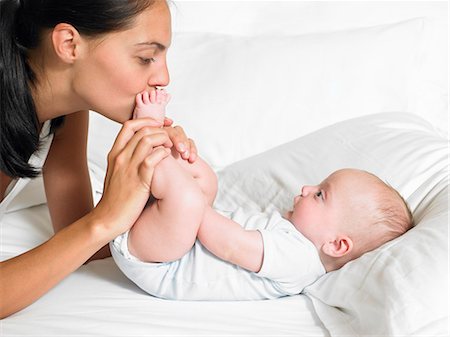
(227, 240)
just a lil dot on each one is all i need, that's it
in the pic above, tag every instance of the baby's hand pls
(152, 105)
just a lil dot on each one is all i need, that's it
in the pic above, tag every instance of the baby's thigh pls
(203, 175)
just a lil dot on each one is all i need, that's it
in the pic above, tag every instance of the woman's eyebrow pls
(158, 45)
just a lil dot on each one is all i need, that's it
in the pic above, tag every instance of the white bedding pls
(251, 76)
(399, 289)
(98, 300)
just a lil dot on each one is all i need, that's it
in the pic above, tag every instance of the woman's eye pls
(147, 60)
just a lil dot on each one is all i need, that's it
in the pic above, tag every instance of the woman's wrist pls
(101, 229)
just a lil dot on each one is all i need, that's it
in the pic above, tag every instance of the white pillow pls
(400, 288)
(237, 96)
(225, 85)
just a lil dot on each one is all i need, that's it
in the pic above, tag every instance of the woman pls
(59, 60)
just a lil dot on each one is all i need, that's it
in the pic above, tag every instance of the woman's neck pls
(52, 91)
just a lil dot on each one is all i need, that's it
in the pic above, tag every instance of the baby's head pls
(351, 212)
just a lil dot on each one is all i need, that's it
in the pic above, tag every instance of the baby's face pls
(319, 210)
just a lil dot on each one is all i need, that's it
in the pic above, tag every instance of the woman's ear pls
(66, 42)
(338, 247)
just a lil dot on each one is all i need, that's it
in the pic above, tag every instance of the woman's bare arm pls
(66, 175)
(23, 279)
(27, 277)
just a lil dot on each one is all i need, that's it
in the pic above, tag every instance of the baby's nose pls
(307, 190)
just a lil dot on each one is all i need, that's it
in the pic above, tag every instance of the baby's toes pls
(160, 96)
(168, 97)
(146, 97)
(153, 95)
(163, 96)
(139, 100)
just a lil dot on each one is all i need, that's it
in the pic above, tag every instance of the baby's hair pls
(390, 218)
(21, 26)
(398, 220)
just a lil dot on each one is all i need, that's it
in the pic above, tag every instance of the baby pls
(181, 248)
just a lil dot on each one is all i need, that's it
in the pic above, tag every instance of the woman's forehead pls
(155, 21)
(152, 27)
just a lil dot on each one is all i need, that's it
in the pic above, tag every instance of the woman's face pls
(119, 65)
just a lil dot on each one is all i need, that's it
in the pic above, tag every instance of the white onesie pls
(291, 262)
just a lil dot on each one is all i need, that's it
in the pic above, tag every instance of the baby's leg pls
(152, 105)
(203, 175)
(167, 229)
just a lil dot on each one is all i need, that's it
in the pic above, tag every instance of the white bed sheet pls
(98, 300)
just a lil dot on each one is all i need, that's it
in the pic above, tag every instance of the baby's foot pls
(152, 105)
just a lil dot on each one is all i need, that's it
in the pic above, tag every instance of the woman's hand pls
(137, 149)
(183, 145)
(131, 162)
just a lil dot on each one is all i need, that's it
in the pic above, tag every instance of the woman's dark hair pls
(21, 25)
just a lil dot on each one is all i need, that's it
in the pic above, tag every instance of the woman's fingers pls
(152, 136)
(167, 121)
(128, 130)
(183, 145)
(127, 140)
(147, 168)
(178, 138)
(129, 177)
(146, 146)
(130, 135)
(193, 151)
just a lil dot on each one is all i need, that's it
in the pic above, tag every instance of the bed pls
(276, 95)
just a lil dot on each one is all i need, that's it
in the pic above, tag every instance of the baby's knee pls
(167, 178)
(191, 198)
(173, 183)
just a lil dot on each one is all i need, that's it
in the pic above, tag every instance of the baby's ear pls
(340, 246)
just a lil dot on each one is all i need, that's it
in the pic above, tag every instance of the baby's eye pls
(319, 194)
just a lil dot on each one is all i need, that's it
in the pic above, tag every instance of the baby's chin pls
(287, 215)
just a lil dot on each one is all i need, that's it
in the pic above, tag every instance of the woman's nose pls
(160, 77)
